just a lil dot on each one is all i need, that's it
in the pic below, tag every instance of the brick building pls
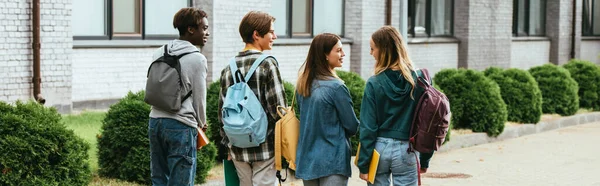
(94, 51)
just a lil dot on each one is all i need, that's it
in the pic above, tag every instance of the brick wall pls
(363, 17)
(109, 73)
(527, 54)
(225, 41)
(434, 57)
(590, 50)
(224, 18)
(16, 55)
(484, 29)
(559, 16)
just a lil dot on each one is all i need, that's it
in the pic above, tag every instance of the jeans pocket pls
(409, 158)
(381, 145)
(180, 143)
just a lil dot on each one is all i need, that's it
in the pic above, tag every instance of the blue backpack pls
(244, 119)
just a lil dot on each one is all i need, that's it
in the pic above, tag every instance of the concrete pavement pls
(565, 156)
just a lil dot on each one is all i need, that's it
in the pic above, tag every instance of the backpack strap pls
(235, 72)
(181, 55)
(424, 76)
(257, 62)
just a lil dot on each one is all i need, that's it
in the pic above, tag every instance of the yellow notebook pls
(372, 166)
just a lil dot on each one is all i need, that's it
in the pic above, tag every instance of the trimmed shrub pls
(559, 90)
(356, 86)
(475, 100)
(123, 146)
(587, 75)
(212, 117)
(520, 92)
(36, 148)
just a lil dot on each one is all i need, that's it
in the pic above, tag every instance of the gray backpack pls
(164, 89)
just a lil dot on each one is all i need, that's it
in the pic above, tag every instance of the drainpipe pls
(572, 54)
(388, 12)
(36, 45)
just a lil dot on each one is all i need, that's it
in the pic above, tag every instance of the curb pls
(468, 140)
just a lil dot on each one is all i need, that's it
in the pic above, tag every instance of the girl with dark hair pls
(327, 119)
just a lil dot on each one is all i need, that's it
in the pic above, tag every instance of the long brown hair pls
(316, 65)
(392, 53)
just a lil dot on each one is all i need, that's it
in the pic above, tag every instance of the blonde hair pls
(316, 65)
(393, 54)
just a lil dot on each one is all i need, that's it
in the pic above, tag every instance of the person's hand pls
(204, 128)
(228, 156)
(364, 177)
(423, 170)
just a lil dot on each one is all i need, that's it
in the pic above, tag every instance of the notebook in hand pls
(202, 139)
(372, 166)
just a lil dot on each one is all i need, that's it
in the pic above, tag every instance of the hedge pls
(36, 148)
(212, 117)
(520, 92)
(587, 75)
(123, 145)
(559, 90)
(356, 86)
(475, 100)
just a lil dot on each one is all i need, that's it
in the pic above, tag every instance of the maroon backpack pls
(431, 119)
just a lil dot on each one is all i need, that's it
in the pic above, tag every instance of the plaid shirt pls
(267, 85)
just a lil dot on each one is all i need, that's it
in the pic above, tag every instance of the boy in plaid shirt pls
(255, 165)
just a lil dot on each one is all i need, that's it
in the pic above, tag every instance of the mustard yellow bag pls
(287, 130)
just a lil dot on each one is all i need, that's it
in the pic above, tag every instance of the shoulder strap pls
(257, 62)
(426, 74)
(166, 50)
(181, 55)
(234, 70)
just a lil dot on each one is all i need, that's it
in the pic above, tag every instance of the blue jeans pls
(331, 180)
(396, 161)
(172, 152)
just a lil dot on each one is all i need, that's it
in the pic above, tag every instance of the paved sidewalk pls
(567, 156)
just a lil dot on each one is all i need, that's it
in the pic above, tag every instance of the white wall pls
(590, 50)
(16, 55)
(527, 54)
(434, 56)
(109, 73)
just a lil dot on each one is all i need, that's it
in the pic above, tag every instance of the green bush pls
(356, 86)
(559, 90)
(212, 117)
(475, 100)
(520, 92)
(123, 146)
(587, 75)
(37, 149)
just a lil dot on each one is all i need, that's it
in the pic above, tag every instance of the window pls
(118, 19)
(427, 18)
(529, 18)
(89, 18)
(307, 18)
(128, 16)
(591, 18)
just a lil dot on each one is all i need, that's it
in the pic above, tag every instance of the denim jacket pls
(327, 121)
